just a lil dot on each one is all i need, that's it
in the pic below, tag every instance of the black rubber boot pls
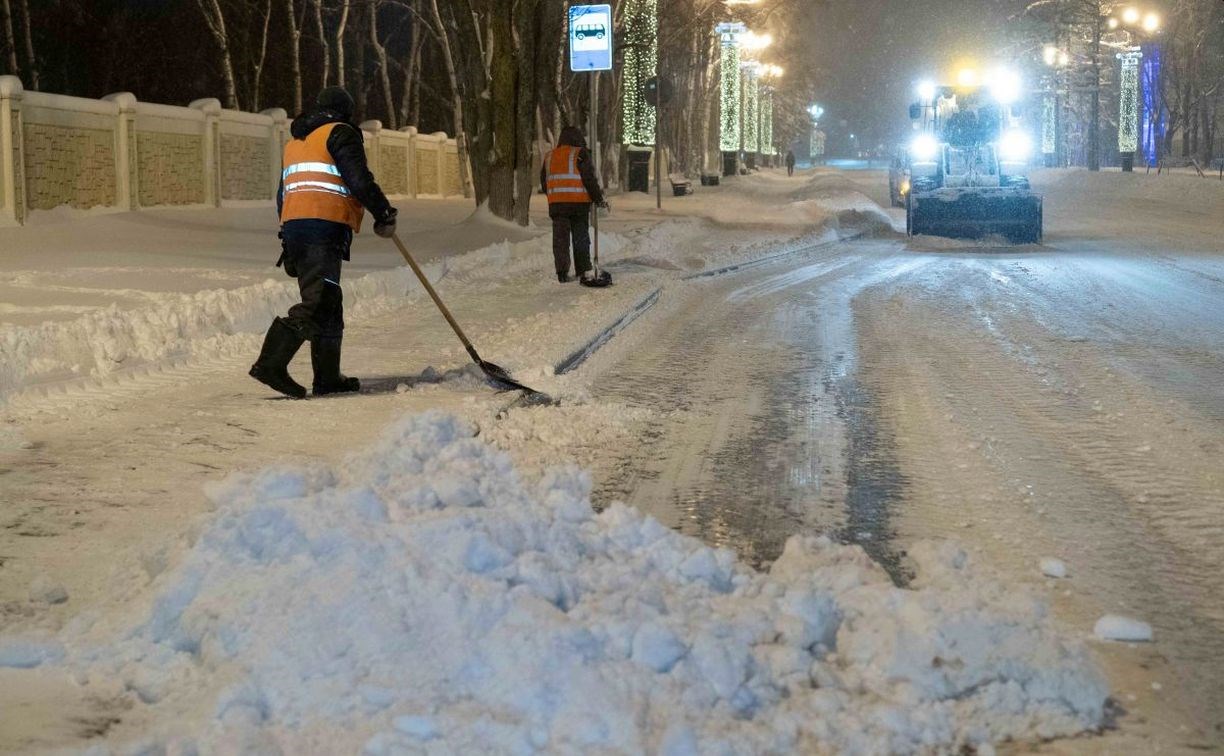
(272, 367)
(325, 357)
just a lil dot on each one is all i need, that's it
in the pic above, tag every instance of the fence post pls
(442, 163)
(12, 175)
(411, 131)
(211, 107)
(371, 144)
(126, 173)
(277, 138)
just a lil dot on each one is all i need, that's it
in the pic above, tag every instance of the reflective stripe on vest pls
(313, 187)
(564, 181)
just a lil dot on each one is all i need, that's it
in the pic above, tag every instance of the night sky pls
(876, 50)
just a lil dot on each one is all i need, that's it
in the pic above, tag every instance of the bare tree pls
(9, 44)
(261, 57)
(317, 5)
(344, 14)
(456, 98)
(29, 45)
(214, 18)
(295, 53)
(384, 73)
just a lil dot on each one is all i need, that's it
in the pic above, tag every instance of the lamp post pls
(816, 146)
(1125, 26)
(1056, 61)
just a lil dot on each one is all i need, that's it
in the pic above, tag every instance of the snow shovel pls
(601, 278)
(495, 373)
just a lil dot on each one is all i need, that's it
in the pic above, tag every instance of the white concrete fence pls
(119, 153)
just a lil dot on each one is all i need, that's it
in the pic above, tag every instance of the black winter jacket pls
(345, 144)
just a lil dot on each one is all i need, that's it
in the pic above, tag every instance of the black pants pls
(790, 170)
(572, 223)
(316, 265)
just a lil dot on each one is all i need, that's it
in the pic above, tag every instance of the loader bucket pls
(974, 213)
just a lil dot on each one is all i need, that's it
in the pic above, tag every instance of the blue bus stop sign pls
(590, 38)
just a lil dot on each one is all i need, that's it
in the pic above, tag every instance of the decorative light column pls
(767, 143)
(751, 128)
(1128, 107)
(1152, 130)
(729, 100)
(641, 59)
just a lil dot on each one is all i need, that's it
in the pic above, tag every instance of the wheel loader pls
(969, 163)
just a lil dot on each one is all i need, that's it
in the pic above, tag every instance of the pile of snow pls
(423, 596)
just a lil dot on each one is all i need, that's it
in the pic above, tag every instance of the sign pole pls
(594, 132)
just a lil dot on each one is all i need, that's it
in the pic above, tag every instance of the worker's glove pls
(385, 226)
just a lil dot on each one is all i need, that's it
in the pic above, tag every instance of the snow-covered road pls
(1062, 402)
(1043, 402)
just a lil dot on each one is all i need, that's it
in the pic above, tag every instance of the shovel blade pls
(500, 375)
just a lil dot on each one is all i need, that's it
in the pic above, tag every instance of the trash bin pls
(730, 164)
(639, 171)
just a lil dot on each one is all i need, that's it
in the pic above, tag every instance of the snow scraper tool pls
(599, 278)
(495, 373)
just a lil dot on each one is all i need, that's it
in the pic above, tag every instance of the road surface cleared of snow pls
(809, 395)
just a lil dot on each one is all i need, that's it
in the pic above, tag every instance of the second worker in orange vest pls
(568, 178)
(325, 187)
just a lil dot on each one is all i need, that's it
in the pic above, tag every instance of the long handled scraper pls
(496, 373)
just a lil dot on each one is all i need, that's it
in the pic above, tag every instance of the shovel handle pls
(420, 274)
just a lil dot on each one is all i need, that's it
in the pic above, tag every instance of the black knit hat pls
(337, 100)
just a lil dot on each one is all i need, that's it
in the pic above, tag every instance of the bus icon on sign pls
(583, 31)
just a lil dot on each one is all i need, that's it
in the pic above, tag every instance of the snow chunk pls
(1118, 628)
(44, 590)
(1055, 568)
(27, 653)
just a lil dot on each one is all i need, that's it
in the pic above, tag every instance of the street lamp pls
(1131, 23)
(1056, 61)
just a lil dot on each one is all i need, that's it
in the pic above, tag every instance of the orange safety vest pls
(564, 182)
(313, 186)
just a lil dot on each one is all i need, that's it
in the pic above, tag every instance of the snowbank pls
(423, 597)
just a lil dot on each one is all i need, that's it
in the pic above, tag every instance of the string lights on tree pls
(751, 114)
(641, 58)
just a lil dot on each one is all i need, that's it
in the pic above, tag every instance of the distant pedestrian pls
(568, 178)
(790, 163)
(325, 183)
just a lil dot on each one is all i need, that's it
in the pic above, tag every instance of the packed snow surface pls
(423, 597)
(1118, 628)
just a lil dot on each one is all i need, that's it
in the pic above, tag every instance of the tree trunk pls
(1094, 127)
(29, 45)
(456, 99)
(384, 73)
(10, 45)
(413, 68)
(295, 54)
(527, 33)
(318, 19)
(503, 91)
(344, 13)
(263, 55)
(215, 20)
(359, 79)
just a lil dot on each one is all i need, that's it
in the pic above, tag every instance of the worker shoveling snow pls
(424, 597)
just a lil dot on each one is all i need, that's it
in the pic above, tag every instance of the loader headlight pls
(1015, 147)
(1005, 85)
(924, 148)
